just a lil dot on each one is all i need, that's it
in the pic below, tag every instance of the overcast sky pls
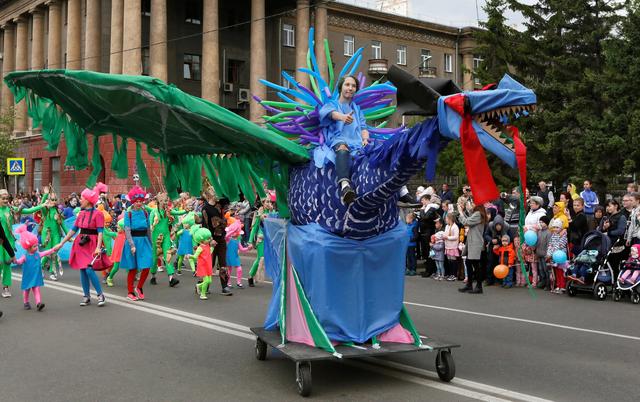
(457, 13)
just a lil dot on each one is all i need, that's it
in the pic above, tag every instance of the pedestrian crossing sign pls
(15, 166)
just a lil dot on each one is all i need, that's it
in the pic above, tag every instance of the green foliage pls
(7, 144)
(587, 112)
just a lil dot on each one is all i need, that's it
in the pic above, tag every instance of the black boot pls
(542, 284)
(467, 287)
(477, 289)
(251, 284)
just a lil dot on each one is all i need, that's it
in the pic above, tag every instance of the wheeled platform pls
(303, 354)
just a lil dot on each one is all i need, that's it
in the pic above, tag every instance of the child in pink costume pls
(631, 266)
(31, 270)
(234, 245)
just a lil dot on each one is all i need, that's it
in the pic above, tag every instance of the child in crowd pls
(520, 279)
(437, 246)
(506, 256)
(185, 242)
(234, 245)
(412, 234)
(451, 241)
(557, 241)
(116, 252)
(631, 267)
(204, 268)
(31, 271)
(541, 252)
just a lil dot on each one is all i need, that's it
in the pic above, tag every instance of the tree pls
(7, 143)
(560, 56)
(618, 85)
(494, 43)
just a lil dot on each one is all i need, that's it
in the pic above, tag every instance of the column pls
(92, 39)
(74, 32)
(8, 63)
(467, 74)
(22, 47)
(117, 15)
(210, 52)
(54, 40)
(132, 31)
(258, 63)
(37, 40)
(302, 40)
(321, 33)
(158, 40)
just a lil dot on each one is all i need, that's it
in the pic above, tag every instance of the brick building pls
(209, 48)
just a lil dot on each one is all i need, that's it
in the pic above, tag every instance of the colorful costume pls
(136, 228)
(89, 226)
(256, 237)
(31, 269)
(234, 235)
(185, 241)
(204, 269)
(116, 252)
(161, 219)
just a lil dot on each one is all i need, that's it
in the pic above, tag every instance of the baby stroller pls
(633, 289)
(590, 271)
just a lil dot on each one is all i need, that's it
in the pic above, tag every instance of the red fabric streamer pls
(480, 179)
(521, 155)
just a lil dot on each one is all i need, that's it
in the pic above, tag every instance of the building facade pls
(217, 50)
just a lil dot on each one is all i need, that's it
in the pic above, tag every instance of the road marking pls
(456, 381)
(395, 370)
(548, 324)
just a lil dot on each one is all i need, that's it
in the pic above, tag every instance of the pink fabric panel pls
(396, 334)
(297, 328)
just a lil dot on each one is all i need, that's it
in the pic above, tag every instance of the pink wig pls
(27, 239)
(234, 230)
(101, 188)
(90, 195)
(136, 193)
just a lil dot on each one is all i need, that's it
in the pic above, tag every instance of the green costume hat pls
(202, 235)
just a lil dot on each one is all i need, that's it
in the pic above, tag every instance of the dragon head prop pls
(478, 119)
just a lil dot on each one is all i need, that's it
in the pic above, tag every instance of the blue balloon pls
(559, 257)
(530, 238)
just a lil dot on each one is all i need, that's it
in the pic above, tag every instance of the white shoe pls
(53, 277)
(6, 293)
(160, 269)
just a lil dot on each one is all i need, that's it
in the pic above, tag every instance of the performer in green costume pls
(52, 232)
(258, 237)
(161, 218)
(7, 218)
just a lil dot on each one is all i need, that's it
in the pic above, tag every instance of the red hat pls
(90, 195)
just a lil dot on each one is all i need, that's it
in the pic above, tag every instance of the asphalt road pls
(174, 347)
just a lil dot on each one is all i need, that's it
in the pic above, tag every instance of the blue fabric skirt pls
(143, 257)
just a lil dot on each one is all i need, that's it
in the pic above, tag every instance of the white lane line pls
(548, 324)
(502, 317)
(456, 381)
(425, 382)
(409, 374)
(158, 307)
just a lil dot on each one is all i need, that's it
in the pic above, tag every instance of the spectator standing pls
(475, 223)
(590, 199)
(578, 227)
(546, 194)
(633, 234)
(446, 193)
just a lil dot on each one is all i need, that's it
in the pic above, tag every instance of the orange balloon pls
(501, 271)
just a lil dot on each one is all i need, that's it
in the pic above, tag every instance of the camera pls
(84, 239)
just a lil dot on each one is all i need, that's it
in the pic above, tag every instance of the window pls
(448, 63)
(288, 35)
(286, 83)
(234, 70)
(349, 45)
(145, 61)
(191, 67)
(37, 174)
(425, 56)
(146, 8)
(376, 49)
(55, 174)
(402, 55)
(193, 12)
(477, 60)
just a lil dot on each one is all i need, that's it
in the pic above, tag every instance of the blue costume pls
(233, 258)
(337, 132)
(185, 244)
(31, 271)
(137, 221)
